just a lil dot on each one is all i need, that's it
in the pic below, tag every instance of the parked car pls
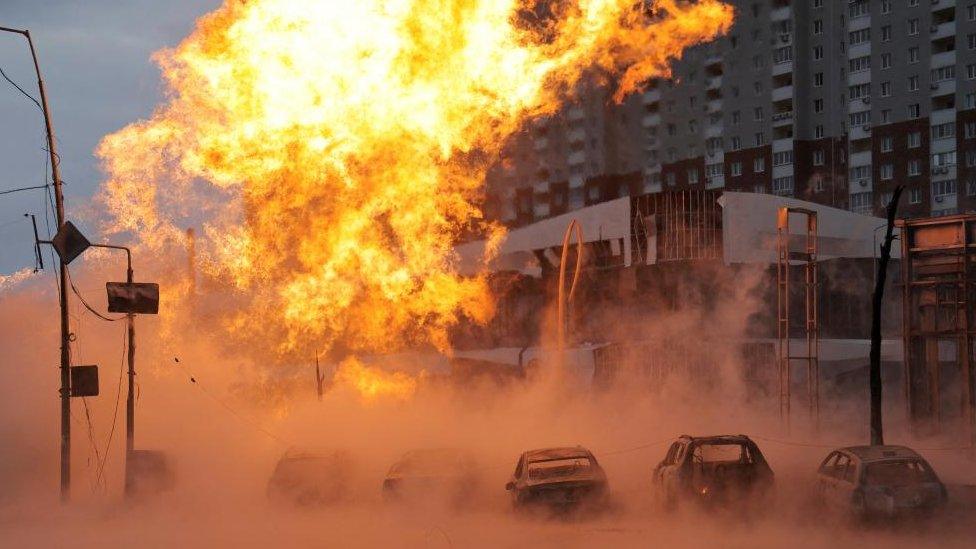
(712, 470)
(308, 477)
(879, 481)
(558, 479)
(440, 474)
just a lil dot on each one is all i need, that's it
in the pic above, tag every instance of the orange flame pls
(373, 383)
(334, 151)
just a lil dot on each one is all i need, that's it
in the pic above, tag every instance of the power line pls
(21, 90)
(91, 309)
(115, 414)
(8, 191)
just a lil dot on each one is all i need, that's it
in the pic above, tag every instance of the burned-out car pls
(712, 470)
(558, 479)
(444, 475)
(309, 477)
(879, 481)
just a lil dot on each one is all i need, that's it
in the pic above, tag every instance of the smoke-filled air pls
(490, 273)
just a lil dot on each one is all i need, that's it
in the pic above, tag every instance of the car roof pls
(731, 439)
(880, 453)
(544, 454)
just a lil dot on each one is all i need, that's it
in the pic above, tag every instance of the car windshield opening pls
(722, 453)
(562, 467)
(898, 473)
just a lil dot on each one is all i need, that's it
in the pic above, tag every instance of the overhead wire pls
(19, 189)
(21, 90)
(115, 414)
(91, 309)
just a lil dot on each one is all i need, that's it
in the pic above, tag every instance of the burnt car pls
(310, 477)
(879, 481)
(712, 470)
(433, 474)
(558, 479)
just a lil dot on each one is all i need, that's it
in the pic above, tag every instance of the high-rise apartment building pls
(831, 101)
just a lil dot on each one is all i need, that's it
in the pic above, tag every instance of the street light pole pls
(62, 276)
(130, 403)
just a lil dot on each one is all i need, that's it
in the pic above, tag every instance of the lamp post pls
(62, 276)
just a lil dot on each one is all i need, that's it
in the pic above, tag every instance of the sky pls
(95, 57)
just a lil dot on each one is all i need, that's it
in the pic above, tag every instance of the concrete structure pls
(830, 101)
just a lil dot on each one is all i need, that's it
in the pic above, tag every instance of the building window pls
(758, 165)
(760, 139)
(912, 27)
(885, 61)
(757, 87)
(692, 176)
(818, 157)
(818, 105)
(915, 196)
(969, 130)
(818, 26)
(783, 185)
(757, 114)
(782, 158)
(913, 83)
(859, 64)
(860, 118)
(971, 12)
(947, 72)
(970, 159)
(943, 188)
(736, 143)
(859, 8)
(886, 89)
(886, 33)
(914, 140)
(971, 71)
(887, 172)
(885, 116)
(818, 79)
(670, 179)
(885, 7)
(944, 131)
(913, 55)
(914, 168)
(971, 38)
(819, 131)
(914, 111)
(970, 101)
(944, 160)
(783, 55)
(887, 144)
(861, 202)
(817, 52)
(736, 116)
(860, 36)
(735, 169)
(858, 91)
(817, 4)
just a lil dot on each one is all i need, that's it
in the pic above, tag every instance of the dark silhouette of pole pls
(877, 428)
(62, 276)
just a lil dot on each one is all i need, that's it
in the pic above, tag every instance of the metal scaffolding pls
(806, 259)
(938, 279)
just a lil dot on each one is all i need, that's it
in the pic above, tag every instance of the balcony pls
(541, 209)
(782, 93)
(782, 119)
(944, 87)
(576, 113)
(577, 135)
(713, 131)
(714, 106)
(943, 59)
(652, 96)
(942, 4)
(782, 68)
(651, 120)
(859, 22)
(943, 30)
(576, 181)
(860, 159)
(576, 158)
(942, 116)
(714, 181)
(859, 50)
(781, 14)
(943, 173)
(860, 131)
(781, 145)
(714, 83)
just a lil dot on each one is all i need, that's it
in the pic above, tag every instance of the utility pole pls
(877, 429)
(62, 277)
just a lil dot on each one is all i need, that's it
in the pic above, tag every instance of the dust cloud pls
(225, 418)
